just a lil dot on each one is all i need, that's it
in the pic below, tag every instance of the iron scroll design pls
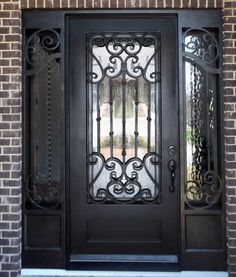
(42, 68)
(123, 77)
(42, 194)
(123, 50)
(42, 47)
(203, 187)
(201, 46)
(122, 181)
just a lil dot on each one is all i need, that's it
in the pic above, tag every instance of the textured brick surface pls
(10, 113)
(10, 138)
(229, 16)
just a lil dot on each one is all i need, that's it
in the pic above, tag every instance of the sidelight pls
(43, 125)
(123, 80)
(202, 72)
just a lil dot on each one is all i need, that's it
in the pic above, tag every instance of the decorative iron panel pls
(123, 83)
(43, 86)
(202, 71)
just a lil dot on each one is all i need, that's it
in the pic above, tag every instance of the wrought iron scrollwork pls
(123, 76)
(42, 62)
(202, 44)
(124, 56)
(42, 47)
(41, 194)
(201, 56)
(114, 181)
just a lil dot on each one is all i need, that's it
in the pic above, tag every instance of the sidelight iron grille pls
(202, 73)
(43, 111)
(123, 82)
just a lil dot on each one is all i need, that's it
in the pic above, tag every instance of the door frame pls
(57, 19)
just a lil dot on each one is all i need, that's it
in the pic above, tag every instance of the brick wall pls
(10, 112)
(10, 138)
(229, 14)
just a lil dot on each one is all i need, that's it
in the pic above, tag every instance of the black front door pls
(123, 140)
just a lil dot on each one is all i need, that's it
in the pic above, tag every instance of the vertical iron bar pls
(34, 110)
(157, 100)
(149, 119)
(49, 125)
(90, 101)
(98, 119)
(90, 110)
(111, 117)
(123, 83)
(136, 133)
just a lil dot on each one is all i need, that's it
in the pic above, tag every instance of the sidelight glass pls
(201, 68)
(123, 78)
(43, 124)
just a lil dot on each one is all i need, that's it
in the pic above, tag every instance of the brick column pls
(10, 138)
(229, 16)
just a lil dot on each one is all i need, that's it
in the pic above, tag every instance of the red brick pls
(97, 3)
(227, 12)
(211, 4)
(72, 4)
(219, 4)
(4, 30)
(194, 4)
(160, 4)
(40, 4)
(48, 3)
(227, 27)
(105, 3)
(32, 4)
(132, 3)
(65, 4)
(152, 3)
(4, 14)
(177, 4)
(11, 22)
(24, 4)
(144, 3)
(57, 4)
(113, 3)
(121, 4)
(202, 4)
(11, 6)
(4, 46)
(80, 3)
(231, 4)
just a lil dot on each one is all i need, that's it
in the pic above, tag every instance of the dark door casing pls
(123, 156)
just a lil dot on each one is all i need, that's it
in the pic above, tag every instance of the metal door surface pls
(123, 139)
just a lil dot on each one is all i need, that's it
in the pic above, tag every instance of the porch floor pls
(60, 273)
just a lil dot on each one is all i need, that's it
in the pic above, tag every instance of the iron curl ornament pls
(42, 47)
(124, 51)
(118, 182)
(202, 44)
(42, 193)
(204, 192)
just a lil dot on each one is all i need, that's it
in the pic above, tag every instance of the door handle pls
(172, 168)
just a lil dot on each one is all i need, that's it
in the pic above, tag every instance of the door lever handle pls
(172, 168)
